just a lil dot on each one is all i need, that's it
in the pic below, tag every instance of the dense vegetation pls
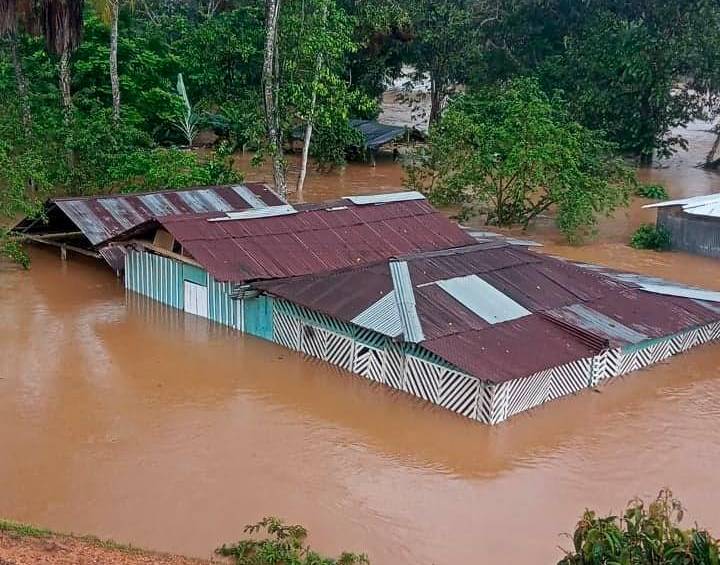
(644, 535)
(284, 545)
(511, 152)
(111, 95)
(648, 236)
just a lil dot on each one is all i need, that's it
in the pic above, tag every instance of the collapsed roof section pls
(483, 307)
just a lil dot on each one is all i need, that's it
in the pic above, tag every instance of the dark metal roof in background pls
(101, 218)
(376, 134)
(312, 240)
(574, 312)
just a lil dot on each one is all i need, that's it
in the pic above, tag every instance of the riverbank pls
(22, 544)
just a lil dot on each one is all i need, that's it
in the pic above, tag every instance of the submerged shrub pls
(644, 535)
(284, 545)
(649, 236)
(652, 191)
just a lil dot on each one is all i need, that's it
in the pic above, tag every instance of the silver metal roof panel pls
(383, 316)
(483, 299)
(249, 196)
(267, 212)
(595, 322)
(384, 198)
(405, 299)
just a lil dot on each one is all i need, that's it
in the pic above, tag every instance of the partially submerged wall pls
(691, 233)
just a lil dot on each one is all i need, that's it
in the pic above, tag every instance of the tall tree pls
(271, 80)
(637, 70)
(10, 16)
(511, 153)
(447, 42)
(109, 13)
(62, 24)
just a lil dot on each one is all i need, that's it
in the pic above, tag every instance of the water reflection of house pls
(693, 223)
(87, 225)
(388, 288)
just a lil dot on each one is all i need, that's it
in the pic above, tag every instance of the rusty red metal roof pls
(557, 312)
(102, 218)
(313, 239)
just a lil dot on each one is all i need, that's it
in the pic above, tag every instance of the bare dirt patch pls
(25, 545)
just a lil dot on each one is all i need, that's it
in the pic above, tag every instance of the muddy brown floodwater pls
(132, 421)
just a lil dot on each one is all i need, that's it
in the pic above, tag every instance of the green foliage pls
(642, 536)
(649, 236)
(653, 191)
(636, 70)
(320, 31)
(512, 153)
(284, 546)
(11, 248)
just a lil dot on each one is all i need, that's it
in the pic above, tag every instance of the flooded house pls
(388, 288)
(693, 223)
(87, 225)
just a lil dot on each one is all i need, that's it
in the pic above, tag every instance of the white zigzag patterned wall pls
(414, 370)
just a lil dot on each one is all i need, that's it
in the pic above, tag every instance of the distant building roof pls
(483, 307)
(102, 218)
(707, 205)
(376, 134)
(292, 241)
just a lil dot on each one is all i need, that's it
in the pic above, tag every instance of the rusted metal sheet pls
(102, 218)
(313, 240)
(588, 319)
(570, 312)
(514, 349)
(114, 256)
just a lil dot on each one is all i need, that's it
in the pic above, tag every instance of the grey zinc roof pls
(706, 205)
(483, 299)
(383, 316)
(405, 298)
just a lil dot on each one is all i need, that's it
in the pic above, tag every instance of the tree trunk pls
(114, 79)
(310, 122)
(436, 96)
(65, 91)
(713, 157)
(21, 83)
(305, 151)
(270, 96)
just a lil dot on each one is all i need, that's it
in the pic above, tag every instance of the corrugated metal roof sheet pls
(707, 205)
(376, 134)
(313, 240)
(586, 318)
(571, 312)
(383, 316)
(511, 350)
(101, 218)
(483, 299)
(266, 212)
(385, 197)
(405, 298)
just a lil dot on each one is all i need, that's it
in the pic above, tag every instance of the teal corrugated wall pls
(258, 317)
(162, 279)
(156, 277)
(221, 308)
(194, 274)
